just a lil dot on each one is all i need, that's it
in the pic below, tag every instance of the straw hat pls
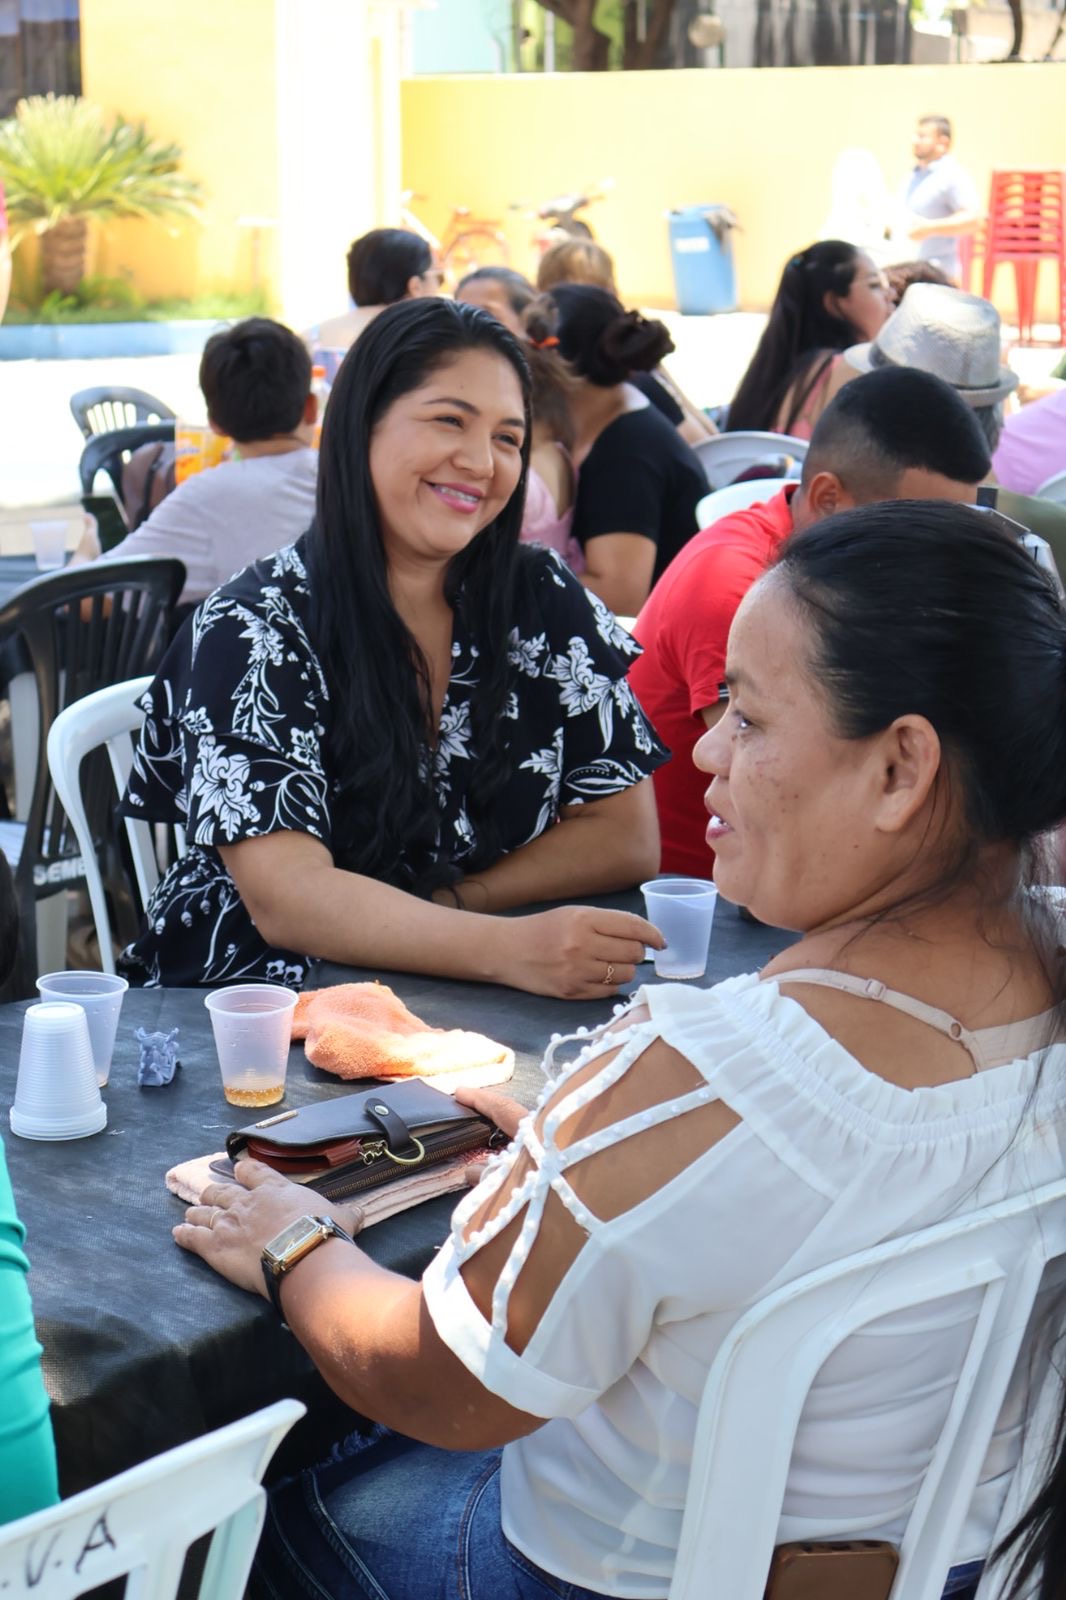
(953, 335)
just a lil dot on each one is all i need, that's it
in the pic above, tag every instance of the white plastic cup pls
(100, 996)
(57, 1095)
(49, 544)
(683, 911)
(253, 1026)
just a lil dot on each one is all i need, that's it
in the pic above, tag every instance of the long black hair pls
(385, 812)
(797, 340)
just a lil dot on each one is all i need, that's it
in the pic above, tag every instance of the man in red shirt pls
(895, 434)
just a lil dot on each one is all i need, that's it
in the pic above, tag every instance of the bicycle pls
(469, 242)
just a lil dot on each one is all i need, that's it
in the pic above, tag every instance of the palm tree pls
(60, 165)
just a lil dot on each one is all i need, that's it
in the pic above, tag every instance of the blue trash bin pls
(701, 251)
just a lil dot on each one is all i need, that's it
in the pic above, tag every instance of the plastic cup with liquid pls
(49, 543)
(100, 996)
(57, 1095)
(683, 911)
(252, 1025)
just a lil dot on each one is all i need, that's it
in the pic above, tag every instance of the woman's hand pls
(573, 952)
(233, 1221)
(502, 1109)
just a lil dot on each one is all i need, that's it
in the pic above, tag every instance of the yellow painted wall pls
(763, 142)
(203, 73)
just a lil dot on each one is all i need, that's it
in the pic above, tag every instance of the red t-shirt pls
(684, 627)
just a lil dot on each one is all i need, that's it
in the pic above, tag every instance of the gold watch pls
(289, 1246)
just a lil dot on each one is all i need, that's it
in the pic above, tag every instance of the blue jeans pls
(962, 1581)
(389, 1519)
(396, 1520)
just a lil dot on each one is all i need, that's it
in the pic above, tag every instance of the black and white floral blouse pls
(236, 744)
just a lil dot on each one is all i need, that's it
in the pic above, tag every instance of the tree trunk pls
(642, 54)
(63, 251)
(590, 45)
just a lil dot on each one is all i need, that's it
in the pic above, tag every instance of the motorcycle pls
(560, 216)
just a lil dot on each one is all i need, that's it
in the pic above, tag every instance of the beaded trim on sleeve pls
(549, 1163)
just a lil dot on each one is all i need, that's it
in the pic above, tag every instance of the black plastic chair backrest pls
(83, 629)
(103, 410)
(109, 452)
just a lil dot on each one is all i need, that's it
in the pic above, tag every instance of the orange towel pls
(364, 1030)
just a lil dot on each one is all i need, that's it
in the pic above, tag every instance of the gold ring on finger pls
(608, 976)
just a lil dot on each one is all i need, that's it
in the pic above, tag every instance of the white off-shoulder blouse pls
(828, 1158)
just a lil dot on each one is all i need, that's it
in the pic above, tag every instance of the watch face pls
(290, 1238)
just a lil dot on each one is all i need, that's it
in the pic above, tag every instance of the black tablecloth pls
(144, 1345)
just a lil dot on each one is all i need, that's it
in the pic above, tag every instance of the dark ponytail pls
(933, 608)
(799, 336)
(602, 341)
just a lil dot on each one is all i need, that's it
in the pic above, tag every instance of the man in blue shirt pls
(940, 199)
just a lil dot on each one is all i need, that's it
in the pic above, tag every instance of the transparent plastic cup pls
(49, 544)
(100, 996)
(252, 1024)
(57, 1095)
(683, 911)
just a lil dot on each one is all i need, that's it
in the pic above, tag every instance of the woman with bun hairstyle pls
(830, 297)
(638, 482)
(584, 261)
(893, 750)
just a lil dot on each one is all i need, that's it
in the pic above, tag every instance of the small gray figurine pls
(159, 1057)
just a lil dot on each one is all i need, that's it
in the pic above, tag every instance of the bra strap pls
(874, 989)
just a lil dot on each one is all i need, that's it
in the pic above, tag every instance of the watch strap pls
(275, 1271)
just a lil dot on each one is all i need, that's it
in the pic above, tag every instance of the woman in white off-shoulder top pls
(895, 744)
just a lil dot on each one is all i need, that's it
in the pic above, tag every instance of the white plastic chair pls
(107, 717)
(724, 456)
(736, 497)
(142, 1522)
(1053, 488)
(759, 1381)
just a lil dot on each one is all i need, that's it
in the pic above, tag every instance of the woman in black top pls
(638, 482)
(405, 719)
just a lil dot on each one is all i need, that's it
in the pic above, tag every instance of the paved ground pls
(42, 444)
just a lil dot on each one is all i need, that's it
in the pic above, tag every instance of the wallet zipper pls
(341, 1185)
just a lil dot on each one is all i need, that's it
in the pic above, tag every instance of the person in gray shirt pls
(256, 382)
(938, 198)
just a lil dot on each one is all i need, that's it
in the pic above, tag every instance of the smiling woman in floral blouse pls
(406, 719)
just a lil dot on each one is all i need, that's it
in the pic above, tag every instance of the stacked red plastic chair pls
(1026, 225)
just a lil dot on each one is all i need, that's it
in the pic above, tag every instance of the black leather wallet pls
(357, 1141)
